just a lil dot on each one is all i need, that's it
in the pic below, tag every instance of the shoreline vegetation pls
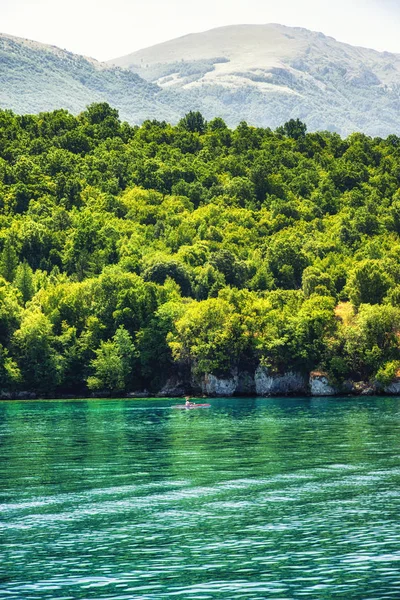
(196, 259)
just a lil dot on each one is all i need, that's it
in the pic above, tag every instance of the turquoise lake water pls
(252, 498)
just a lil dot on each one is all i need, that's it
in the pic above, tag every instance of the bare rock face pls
(212, 385)
(393, 388)
(144, 394)
(368, 390)
(320, 386)
(267, 384)
(25, 396)
(173, 388)
(100, 394)
(360, 388)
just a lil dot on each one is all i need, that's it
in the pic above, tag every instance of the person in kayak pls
(188, 404)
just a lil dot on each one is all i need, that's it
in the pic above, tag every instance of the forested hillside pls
(35, 77)
(129, 255)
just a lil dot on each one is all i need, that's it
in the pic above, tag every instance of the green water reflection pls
(253, 498)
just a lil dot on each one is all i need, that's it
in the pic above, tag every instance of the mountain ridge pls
(36, 77)
(263, 74)
(48, 47)
(292, 72)
(116, 61)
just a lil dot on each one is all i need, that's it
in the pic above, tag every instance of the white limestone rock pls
(320, 386)
(212, 385)
(267, 384)
(173, 388)
(393, 388)
(144, 394)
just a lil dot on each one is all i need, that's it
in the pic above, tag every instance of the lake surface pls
(252, 498)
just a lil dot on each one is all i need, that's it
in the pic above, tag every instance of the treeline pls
(129, 255)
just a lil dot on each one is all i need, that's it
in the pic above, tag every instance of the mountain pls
(266, 74)
(35, 77)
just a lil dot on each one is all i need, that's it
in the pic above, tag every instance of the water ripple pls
(269, 499)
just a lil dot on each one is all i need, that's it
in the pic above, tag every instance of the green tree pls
(10, 312)
(372, 340)
(193, 122)
(369, 283)
(98, 112)
(8, 260)
(294, 128)
(24, 282)
(209, 336)
(159, 271)
(10, 374)
(113, 363)
(315, 281)
(40, 364)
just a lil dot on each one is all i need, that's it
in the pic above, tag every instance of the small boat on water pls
(191, 407)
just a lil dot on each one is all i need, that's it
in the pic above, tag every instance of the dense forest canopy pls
(132, 254)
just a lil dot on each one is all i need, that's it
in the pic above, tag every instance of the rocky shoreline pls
(261, 383)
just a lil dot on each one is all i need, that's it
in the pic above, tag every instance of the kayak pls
(183, 406)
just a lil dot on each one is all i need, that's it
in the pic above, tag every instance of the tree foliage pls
(131, 254)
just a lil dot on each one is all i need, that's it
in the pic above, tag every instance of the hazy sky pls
(108, 29)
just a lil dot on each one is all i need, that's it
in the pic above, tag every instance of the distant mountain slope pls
(269, 73)
(35, 77)
(264, 74)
